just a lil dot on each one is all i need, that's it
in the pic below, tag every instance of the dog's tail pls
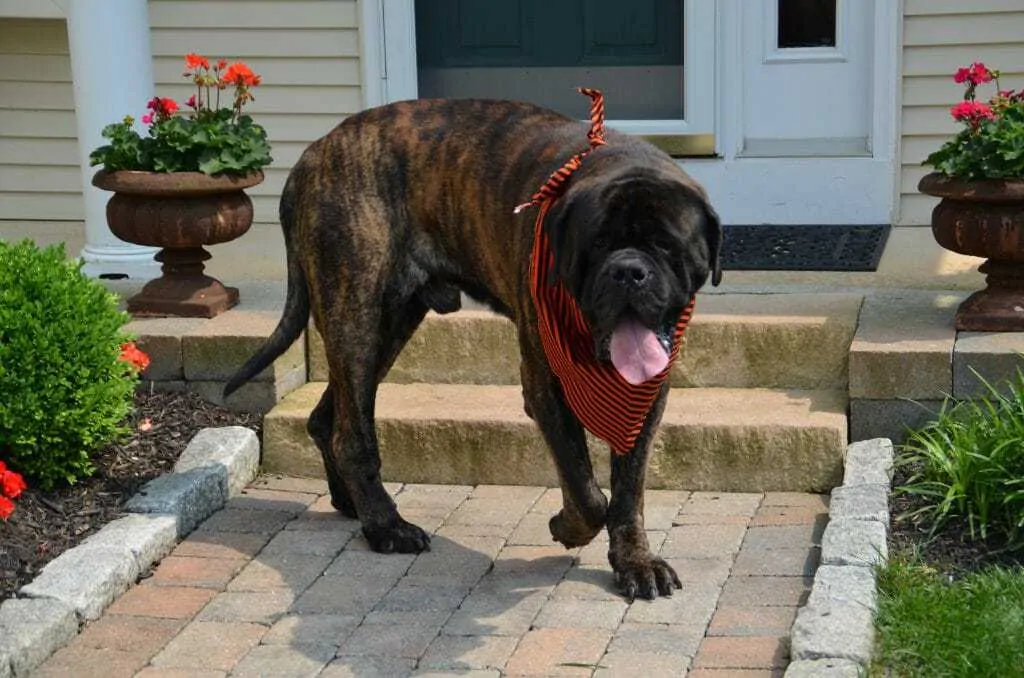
(296, 305)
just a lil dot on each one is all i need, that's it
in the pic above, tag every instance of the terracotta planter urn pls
(180, 212)
(984, 219)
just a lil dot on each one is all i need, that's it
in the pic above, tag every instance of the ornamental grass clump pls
(68, 369)
(991, 143)
(204, 136)
(968, 466)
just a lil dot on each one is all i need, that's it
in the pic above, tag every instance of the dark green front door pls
(541, 51)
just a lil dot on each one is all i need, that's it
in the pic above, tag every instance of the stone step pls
(743, 440)
(789, 341)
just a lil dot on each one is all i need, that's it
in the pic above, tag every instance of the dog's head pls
(632, 247)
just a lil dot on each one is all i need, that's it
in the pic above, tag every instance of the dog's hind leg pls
(584, 505)
(397, 331)
(361, 348)
(319, 427)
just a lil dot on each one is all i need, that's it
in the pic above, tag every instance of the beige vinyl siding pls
(307, 52)
(39, 176)
(939, 36)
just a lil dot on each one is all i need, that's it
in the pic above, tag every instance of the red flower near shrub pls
(11, 485)
(132, 354)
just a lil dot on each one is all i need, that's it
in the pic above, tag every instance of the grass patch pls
(929, 627)
(951, 601)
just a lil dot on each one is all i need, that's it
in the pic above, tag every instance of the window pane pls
(807, 23)
(540, 51)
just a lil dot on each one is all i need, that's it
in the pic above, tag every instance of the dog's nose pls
(630, 273)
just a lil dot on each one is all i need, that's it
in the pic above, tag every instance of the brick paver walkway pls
(278, 584)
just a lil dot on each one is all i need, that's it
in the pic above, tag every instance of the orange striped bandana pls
(605, 403)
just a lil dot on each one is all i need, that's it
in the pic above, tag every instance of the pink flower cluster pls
(160, 108)
(975, 74)
(972, 112)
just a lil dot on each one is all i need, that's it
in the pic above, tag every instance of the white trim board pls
(797, 190)
(794, 190)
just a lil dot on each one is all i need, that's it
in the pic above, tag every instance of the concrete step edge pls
(735, 341)
(710, 439)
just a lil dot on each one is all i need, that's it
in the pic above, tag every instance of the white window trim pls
(775, 54)
(399, 71)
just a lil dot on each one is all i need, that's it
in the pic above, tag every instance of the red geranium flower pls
(972, 111)
(194, 61)
(12, 484)
(168, 106)
(163, 107)
(132, 354)
(976, 74)
(240, 74)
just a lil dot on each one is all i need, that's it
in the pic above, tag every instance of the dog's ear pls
(562, 236)
(714, 235)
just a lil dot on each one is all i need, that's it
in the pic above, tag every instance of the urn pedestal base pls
(183, 290)
(1000, 306)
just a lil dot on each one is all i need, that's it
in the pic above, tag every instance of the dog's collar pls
(604, 402)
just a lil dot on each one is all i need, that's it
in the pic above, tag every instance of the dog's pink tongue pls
(636, 352)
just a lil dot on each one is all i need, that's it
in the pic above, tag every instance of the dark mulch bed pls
(951, 550)
(45, 524)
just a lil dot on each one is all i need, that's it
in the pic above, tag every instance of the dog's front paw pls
(645, 576)
(400, 537)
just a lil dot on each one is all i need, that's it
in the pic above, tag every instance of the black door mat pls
(804, 248)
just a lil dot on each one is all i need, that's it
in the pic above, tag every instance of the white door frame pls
(799, 190)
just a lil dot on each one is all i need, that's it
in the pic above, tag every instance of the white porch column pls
(112, 68)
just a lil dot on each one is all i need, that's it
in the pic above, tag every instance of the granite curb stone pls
(848, 541)
(190, 497)
(216, 465)
(833, 668)
(90, 576)
(80, 583)
(233, 450)
(148, 537)
(833, 633)
(869, 462)
(86, 578)
(868, 502)
(30, 631)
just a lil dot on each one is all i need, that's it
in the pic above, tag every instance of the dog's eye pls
(662, 244)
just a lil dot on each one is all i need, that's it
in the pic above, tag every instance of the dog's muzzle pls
(634, 336)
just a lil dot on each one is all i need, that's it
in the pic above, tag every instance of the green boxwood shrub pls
(64, 392)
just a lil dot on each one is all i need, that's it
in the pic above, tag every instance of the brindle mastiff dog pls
(400, 207)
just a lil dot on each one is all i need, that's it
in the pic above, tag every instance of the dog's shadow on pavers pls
(306, 591)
